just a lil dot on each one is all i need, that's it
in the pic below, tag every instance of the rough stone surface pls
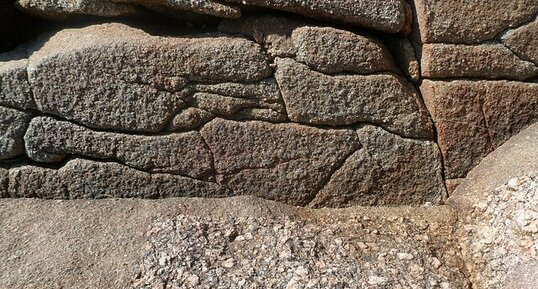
(384, 99)
(190, 118)
(500, 236)
(4, 179)
(474, 117)
(486, 61)
(404, 56)
(64, 8)
(272, 32)
(207, 7)
(377, 167)
(120, 243)
(81, 178)
(331, 50)
(383, 15)
(284, 162)
(50, 140)
(13, 124)
(136, 93)
(15, 90)
(460, 21)
(524, 41)
(498, 207)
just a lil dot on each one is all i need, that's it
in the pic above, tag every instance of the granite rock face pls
(475, 117)
(313, 97)
(498, 207)
(523, 41)
(379, 167)
(49, 140)
(13, 124)
(285, 162)
(221, 109)
(387, 16)
(83, 179)
(460, 21)
(486, 61)
(136, 93)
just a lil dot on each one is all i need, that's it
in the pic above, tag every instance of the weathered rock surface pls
(81, 178)
(388, 170)
(498, 208)
(404, 56)
(284, 162)
(474, 117)
(190, 118)
(460, 21)
(331, 50)
(13, 124)
(82, 244)
(234, 100)
(15, 90)
(387, 16)
(383, 15)
(486, 61)
(383, 99)
(4, 180)
(207, 7)
(64, 8)
(50, 140)
(75, 72)
(523, 41)
(272, 32)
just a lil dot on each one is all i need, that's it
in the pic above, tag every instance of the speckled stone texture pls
(497, 207)
(237, 242)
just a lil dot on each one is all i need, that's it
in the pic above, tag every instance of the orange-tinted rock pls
(474, 117)
(485, 61)
(463, 21)
(524, 41)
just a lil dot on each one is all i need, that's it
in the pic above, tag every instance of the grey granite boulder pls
(50, 140)
(382, 99)
(387, 170)
(142, 84)
(13, 124)
(81, 178)
(284, 162)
